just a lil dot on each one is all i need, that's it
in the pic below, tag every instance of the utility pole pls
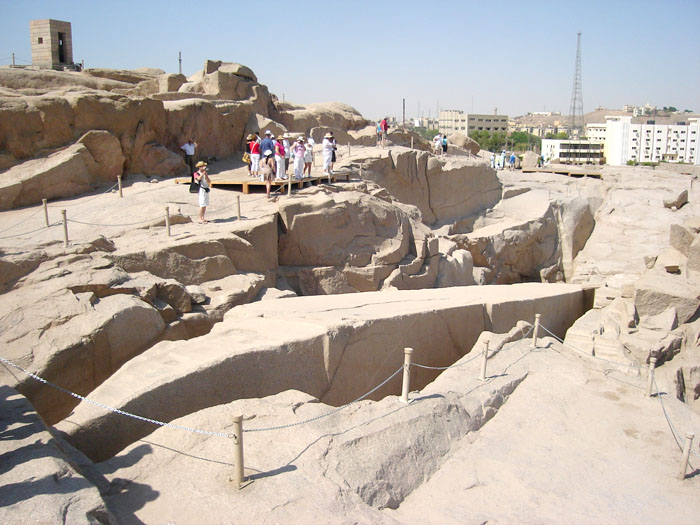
(179, 59)
(576, 108)
(13, 60)
(403, 124)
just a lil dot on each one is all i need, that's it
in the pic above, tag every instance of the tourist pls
(379, 133)
(281, 171)
(437, 144)
(308, 157)
(385, 131)
(444, 144)
(335, 148)
(287, 151)
(188, 147)
(493, 161)
(268, 170)
(201, 176)
(246, 157)
(512, 161)
(254, 157)
(327, 145)
(299, 152)
(502, 163)
(267, 143)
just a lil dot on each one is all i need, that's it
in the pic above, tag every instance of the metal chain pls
(327, 413)
(111, 409)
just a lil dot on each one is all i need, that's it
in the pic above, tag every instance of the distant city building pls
(572, 151)
(425, 122)
(651, 141)
(451, 121)
(52, 43)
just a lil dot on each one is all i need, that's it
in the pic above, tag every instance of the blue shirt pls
(267, 144)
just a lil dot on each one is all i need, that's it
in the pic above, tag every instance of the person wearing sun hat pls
(328, 147)
(287, 150)
(201, 176)
(299, 151)
(308, 156)
(268, 173)
(254, 156)
(247, 150)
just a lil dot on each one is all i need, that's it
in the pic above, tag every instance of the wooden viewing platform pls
(246, 183)
(569, 171)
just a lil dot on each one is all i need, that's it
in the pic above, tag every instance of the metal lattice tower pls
(576, 108)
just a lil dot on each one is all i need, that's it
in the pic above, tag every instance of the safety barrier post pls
(406, 373)
(119, 181)
(65, 228)
(686, 454)
(535, 330)
(348, 149)
(167, 219)
(238, 453)
(650, 379)
(238, 206)
(360, 172)
(289, 186)
(485, 358)
(46, 212)
(411, 142)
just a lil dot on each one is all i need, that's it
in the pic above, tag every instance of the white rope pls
(31, 231)
(327, 413)
(22, 221)
(61, 206)
(111, 409)
(468, 360)
(636, 367)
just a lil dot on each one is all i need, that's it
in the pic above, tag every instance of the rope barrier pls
(475, 356)
(83, 202)
(327, 413)
(22, 221)
(636, 367)
(111, 409)
(115, 225)
(43, 228)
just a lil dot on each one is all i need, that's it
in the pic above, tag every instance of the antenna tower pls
(576, 108)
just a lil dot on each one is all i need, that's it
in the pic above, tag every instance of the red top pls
(254, 147)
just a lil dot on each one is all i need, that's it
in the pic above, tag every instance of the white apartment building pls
(572, 151)
(651, 142)
(452, 120)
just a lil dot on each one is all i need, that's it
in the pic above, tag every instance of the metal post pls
(238, 206)
(46, 212)
(686, 454)
(535, 330)
(119, 181)
(13, 60)
(406, 373)
(360, 171)
(411, 142)
(485, 358)
(289, 186)
(167, 219)
(65, 229)
(348, 149)
(650, 379)
(238, 451)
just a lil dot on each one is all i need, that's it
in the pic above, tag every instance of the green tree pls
(558, 136)
(426, 133)
(522, 141)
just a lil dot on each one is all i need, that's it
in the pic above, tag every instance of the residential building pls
(451, 121)
(651, 142)
(573, 151)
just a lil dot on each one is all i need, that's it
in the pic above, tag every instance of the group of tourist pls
(498, 162)
(382, 132)
(440, 144)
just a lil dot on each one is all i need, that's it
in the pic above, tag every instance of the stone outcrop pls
(462, 141)
(334, 115)
(334, 348)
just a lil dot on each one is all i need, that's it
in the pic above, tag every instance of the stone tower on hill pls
(52, 44)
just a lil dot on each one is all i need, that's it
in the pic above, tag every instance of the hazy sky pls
(516, 56)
